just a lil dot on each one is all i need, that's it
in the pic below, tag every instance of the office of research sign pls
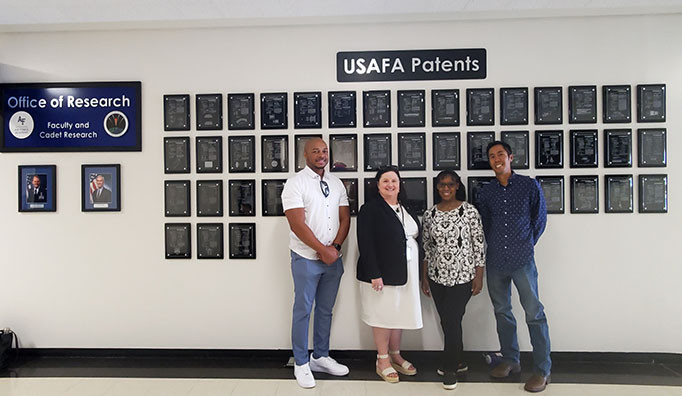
(411, 65)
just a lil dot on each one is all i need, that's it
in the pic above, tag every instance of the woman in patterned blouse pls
(453, 266)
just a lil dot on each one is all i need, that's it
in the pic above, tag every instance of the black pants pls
(451, 303)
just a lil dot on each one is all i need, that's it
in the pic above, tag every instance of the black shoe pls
(461, 368)
(450, 381)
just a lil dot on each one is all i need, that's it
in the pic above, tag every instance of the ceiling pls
(56, 15)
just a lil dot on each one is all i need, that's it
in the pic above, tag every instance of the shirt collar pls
(513, 177)
(311, 173)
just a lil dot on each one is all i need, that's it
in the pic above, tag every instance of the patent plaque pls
(176, 112)
(446, 150)
(352, 192)
(477, 145)
(411, 108)
(653, 193)
(242, 240)
(176, 155)
(241, 153)
(342, 109)
(652, 147)
(210, 240)
(377, 151)
(582, 104)
(242, 197)
(618, 193)
(618, 148)
(209, 112)
(549, 149)
(445, 107)
(209, 198)
(412, 151)
(513, 106)
(376, 107)
(553, 190)
(308, 110)
(274, 153)
(240, 111)
(584, 149)
(299, 149)
(584, 194)
(273, 110)
(548, 105)
(651, 103)
(475, 185)
(177, 198)
(481, 106)
(209, 154)
(178, 241)
(272, 197)
(370, 189)
(415, 194)
(343, 153)
(519, 143)
(617, 104)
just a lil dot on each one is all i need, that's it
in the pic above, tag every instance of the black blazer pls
(381, 241)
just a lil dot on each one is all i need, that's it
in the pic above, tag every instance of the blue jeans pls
(526, 281)
(318, 282)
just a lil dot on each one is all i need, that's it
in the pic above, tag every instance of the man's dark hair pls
(506, 146)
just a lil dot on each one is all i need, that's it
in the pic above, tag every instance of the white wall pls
(609, 281)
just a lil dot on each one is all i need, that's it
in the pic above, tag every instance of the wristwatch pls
(337, 246)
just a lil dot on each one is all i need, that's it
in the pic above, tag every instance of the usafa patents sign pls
(437, 64)
(98, 116)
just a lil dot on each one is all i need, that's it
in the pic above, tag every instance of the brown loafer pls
(536, 383)
(505, 368)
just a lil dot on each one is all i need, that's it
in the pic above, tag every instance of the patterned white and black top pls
(453, 243)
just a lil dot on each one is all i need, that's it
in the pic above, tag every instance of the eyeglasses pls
(448, 185)
(325, 188)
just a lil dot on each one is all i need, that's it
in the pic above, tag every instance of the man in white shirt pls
(316, 206)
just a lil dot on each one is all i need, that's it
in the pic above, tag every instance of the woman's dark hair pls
(461, 194)
(374, 188)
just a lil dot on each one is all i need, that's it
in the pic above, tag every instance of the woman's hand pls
(378, 284)
(426, 289)
(477, 283)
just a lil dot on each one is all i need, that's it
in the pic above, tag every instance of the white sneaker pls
(303, 376)
(328, 365)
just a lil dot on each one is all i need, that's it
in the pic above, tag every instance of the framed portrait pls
(273, 110)
(474, 186)
(618, 148)
(584, 194)
(240, 111)
(582, 104)
(307, 110)
(242, 240)
(548, 105)
(342, 109)
(477, 143)
(617, 104)
(299, 149)
(553, 190)
(376, 106)
(513, 106)
(519, 143)
(651, 103)
(619, 193)
(549, 149)
(412, 151)
(653, 193)
(480, 106)
(377, 151)
(101, 188)
(352, 192)
(210, 240)
(209, 154)
(177, 198)
(272, 197)
(343, 153)
(241, 154)
(176, 155)
(446, 150)
(209, 112)
(651, 147)
(37, 188)
(445, 107)
(176, 113)
(178, 240)
(584, 148)
(209, 198)
(242, 194)
(415, 193)
(411, 108)
(275, 153)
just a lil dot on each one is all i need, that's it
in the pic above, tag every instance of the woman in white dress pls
(388, 268)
